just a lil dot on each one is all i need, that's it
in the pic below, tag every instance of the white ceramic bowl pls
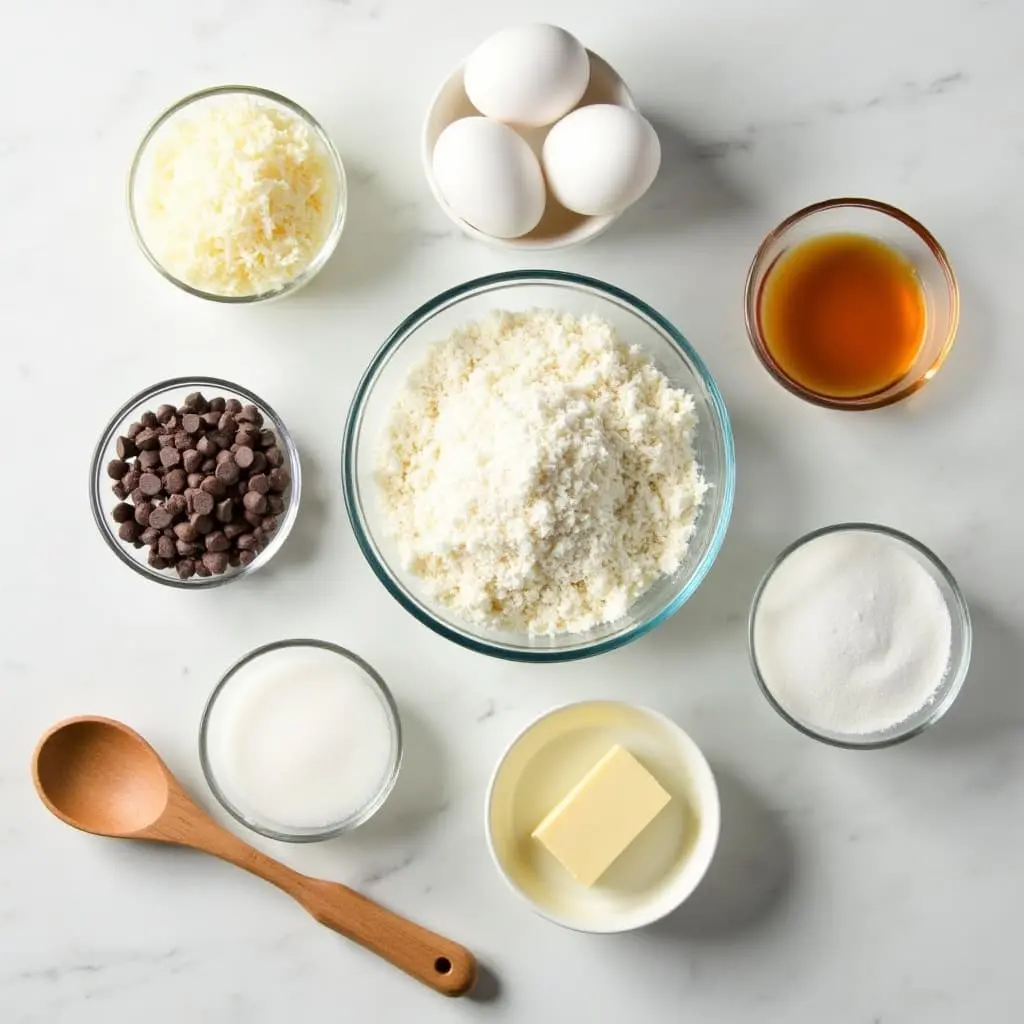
(658, 871)
(558, 227)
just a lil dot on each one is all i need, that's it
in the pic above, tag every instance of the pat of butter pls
(602, 814)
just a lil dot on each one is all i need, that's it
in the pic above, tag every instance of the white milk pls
(300, 738)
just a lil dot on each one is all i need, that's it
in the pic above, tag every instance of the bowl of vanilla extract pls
(851, 304)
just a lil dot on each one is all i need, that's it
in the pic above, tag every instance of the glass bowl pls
(900, 231)
(221, 696)
(637, 324)
(959, 653)
(136, 172)
(173, 392)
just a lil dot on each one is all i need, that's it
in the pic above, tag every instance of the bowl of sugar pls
(859, 636)
(301, 741)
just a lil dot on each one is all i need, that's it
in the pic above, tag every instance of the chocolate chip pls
(156, 562)
(274, 456)
(186, 532)
(170, 457)
(195, 402)
(211, 418)
(116, 468)
(215, 561)
(228, 472)
(185, 549)
(259, 463)
(216, 541)
(260, 483)
(186, 568)
(215, 486)
(247, 542)
(227, 423)
(134, 430)
(149, 484)
(223, 456)
(206, 447)
(160, 518)
(248, 436)
(217, 404)
(176, 503)
(233, 405)
(202, 522)
(225, 510)
(201, 570)
(122, 513)
(245, 557)
(149, 420)
(244, 456)
(221, 438)
(142, 511)
(126, 448)
(175, 481)
(128, 531)
(137, 497)
(269, 524)
(250, 414)
(183, 442)
(255, 502)
(192, 460)
(234, 559)
(208, 466)
(236, 529)
(275, 503)
(150, 535)
(202, 502)
(279, 479)
(252, 518)
(148, 460)
(267, 439)
(167, 550)
(191, 423)
(194, 480)
(166, 441)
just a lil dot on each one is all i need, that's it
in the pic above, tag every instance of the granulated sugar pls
(852, 634)
(538, 475)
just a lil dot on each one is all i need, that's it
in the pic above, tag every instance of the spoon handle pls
(443, 965)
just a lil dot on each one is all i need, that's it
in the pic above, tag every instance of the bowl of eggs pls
(535, 142)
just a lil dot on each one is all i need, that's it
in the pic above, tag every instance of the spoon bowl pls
(99, 776)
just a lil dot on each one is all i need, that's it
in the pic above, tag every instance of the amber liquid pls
(843, 315)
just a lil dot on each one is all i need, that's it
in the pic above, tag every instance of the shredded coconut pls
(538, 475)
(237, 196)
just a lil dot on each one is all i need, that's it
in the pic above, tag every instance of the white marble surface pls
(876, 888)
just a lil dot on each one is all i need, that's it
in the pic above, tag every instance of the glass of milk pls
(301, 741)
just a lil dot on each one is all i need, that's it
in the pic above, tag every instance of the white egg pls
(489, 177)
(531, 75)
(600, 159)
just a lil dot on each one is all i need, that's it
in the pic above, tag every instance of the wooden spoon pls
(99, 776)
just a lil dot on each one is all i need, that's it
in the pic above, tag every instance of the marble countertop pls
(877, 888)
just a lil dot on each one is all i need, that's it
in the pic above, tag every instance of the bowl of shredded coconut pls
(538, 466)
(237, 194)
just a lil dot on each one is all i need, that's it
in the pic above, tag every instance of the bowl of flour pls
(538, 466)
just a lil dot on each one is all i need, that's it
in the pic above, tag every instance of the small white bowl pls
(658, 871)
(558, 227)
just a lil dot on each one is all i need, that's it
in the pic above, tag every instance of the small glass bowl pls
(959, 654)
(299, 835)
(265, 96)
(637, 324)
(896, 229)
(103, 500)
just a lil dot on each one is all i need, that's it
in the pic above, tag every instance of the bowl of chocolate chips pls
(195, 482)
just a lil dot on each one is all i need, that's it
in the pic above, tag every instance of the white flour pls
(852, 633)
(538, 475)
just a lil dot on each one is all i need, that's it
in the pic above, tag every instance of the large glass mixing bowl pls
(637, 324)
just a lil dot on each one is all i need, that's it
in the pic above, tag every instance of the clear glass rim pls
(949, 692)
(341, 187)
(353, 503)
(98, 479)
(353, 820)
(756, 275)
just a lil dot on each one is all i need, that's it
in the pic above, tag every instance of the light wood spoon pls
(99, 776)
